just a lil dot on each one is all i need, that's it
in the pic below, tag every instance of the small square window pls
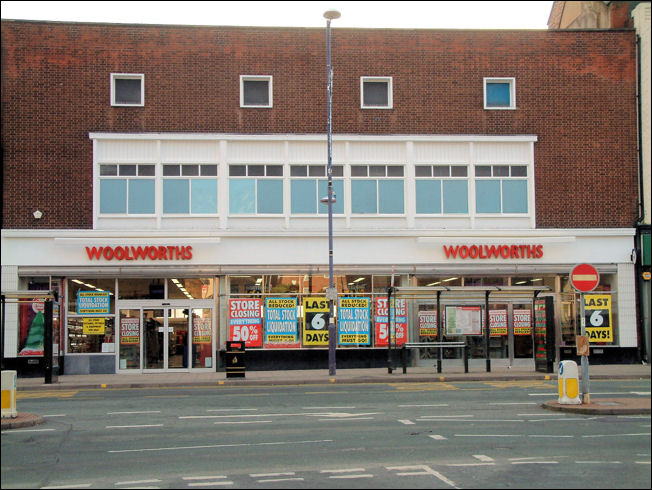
(255, 91)
(376, 92)
(500, 93)
(127, 89)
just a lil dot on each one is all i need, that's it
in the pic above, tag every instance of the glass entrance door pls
(165, 338)
(154, 337)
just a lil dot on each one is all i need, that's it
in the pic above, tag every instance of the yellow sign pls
(315, 321)
(93, 326)
(597, 315)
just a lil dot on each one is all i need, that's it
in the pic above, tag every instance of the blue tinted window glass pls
(113, 196)
(141, 196)
(428, 196)
(303, 196)
(269, 196)
(363, 196)
(456, 197)
(390, 197)
(242, 196)
(498, 95)
(338, 189)
(514, 196)
(176, 196)
(203, 199)
(487, 196)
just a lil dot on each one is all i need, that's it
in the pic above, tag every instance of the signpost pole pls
(584, 278)
(586, 397)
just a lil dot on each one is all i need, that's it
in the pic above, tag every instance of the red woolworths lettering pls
(493, 251)
(169, 252)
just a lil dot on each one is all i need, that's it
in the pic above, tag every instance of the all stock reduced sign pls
(354, 321)
(245, 321)
(281, 326)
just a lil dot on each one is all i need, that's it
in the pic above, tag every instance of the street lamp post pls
(331, 294)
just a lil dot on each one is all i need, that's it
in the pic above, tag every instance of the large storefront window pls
(91, 309)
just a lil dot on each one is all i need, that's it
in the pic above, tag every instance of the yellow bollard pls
(568, 382)
(9, 395)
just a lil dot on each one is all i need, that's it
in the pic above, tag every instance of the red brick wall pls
(575, 90)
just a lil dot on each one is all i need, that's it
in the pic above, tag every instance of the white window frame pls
(270, 88)
(128, 76)
(390, 90)
(512, 92)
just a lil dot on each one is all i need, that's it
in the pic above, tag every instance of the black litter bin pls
(235, 359)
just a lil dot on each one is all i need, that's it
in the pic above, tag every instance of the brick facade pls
(575, 90)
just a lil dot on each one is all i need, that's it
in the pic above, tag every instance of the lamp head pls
(332, 14)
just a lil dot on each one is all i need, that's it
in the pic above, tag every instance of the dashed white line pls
(245, 422)
(136, 482)
(483, 457)
(77, 485)
(406, 422)
(215, 446)
(438, 437)
(421, 470)
(130, 413)
(132, 426)
(429, 405)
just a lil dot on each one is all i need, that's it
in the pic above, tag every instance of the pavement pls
(425, 372)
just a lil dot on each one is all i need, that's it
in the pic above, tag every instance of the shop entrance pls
(171, 337)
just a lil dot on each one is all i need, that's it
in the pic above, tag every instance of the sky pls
(364, 14)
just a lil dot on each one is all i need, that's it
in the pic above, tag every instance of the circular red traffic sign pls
(584, 278)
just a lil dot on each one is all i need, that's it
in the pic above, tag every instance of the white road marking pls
(348, 470)
(244, 422)
(210, 483)
(406, 422)
(232, 410)
(78, 485)
(483, 457)
(439, 438)
(488, 435)
(350, 476)
(129, 413)
(535, 462)
(433, 405)
(132, 426)
(619, 435)
(15, 431)
(536, 435)
(424, 470)
(445, 416)
(135, 482)
(599, 462)
(56, 415)
(214, 446)
(210, 477)
(325, 408)
(346, 419)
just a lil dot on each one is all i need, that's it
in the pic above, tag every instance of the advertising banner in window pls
(201, 330)
(93, 302)
(399, 335)
(463, 320)
(597, 314)
(497, 322)
(427, 323)
(32, 327)
(246, 322)
(129, 331)
(354, 321)
(281, 326)
(316, 316)
(93, 326)
(522, 322)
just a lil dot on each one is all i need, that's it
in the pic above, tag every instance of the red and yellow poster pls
(522, 322)
(497, 322)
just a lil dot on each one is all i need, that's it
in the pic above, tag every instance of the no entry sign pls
(584, 278)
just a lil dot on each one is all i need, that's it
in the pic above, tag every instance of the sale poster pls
(354, 321)
(316, 315)
(281, 326)
(427, 323)
(597, 315)
(129, 331)
(398, 328)
(201, 331)
(246, 322)
(522, 322)
(497, 322)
